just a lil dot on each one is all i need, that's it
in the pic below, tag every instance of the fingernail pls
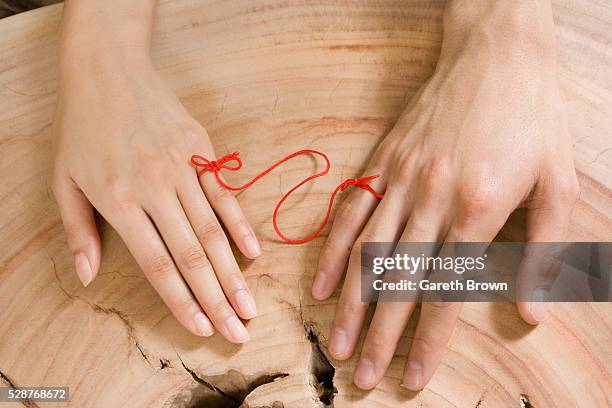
(339, 343)
(538, 311)
(364, 374)
(246, 304)
(203, 325)
(318, 286)
(413, 375)
(236, 329)
(83, 269)
(252, 246)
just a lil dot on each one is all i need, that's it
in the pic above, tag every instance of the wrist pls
(500, 28)
(100, 65)
(100, 37)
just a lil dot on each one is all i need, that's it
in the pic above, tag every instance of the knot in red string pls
(362, 182)
(215, 167)
(347, 183)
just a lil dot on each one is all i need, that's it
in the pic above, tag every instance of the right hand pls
(122, 144)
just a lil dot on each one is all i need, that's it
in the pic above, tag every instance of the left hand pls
(485, 135)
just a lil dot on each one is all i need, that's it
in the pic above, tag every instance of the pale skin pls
(114, 110)
(485, 135)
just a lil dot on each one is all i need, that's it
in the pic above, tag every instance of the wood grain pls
(273, 77)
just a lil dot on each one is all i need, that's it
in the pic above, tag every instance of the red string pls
(215, 166)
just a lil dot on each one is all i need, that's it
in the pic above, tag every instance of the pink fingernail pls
(203, 325)
(318, 286)
(246, 304)
(413, 375)
(538, 311)
(364, 374)
(339, 343)
(236, 329)
(252, 246)
(83, 269)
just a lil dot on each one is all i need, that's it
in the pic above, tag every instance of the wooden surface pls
(268, 78)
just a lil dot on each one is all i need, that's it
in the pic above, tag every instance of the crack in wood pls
(109, 311)
(229, 400)
(239, 387)
(9, 382)
(321, 369)
(524, 401)
(130, 329)
(5, 378)
(479, 402)
(597, 157)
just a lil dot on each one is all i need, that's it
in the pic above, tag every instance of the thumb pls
(548, 218)
(78, 218)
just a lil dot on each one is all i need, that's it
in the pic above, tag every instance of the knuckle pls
(331, 249)
(211, 231)
(176, 153)
(234, 282)
(477, 196)
(386, 148)
(417, 227)
(406, 164)
(192, 138)
(343, 221)
(222, 309)
(368, 235)
(220, 193)
(377, 340)
(146, 153)
(155, 176)
(346, 216)
(351, 308)
(438, 306)
(385, 153)
(193, 258)
(193, 134)
(442, 311)
(424, 344)
(160, 267)
(182, 304)
(241, 226)
(435, 176)
(118, 190)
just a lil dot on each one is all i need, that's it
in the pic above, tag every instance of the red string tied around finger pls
(363, 183)
(215, 166)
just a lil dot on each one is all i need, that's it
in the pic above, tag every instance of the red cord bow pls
(361, 183)
(215, 166)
